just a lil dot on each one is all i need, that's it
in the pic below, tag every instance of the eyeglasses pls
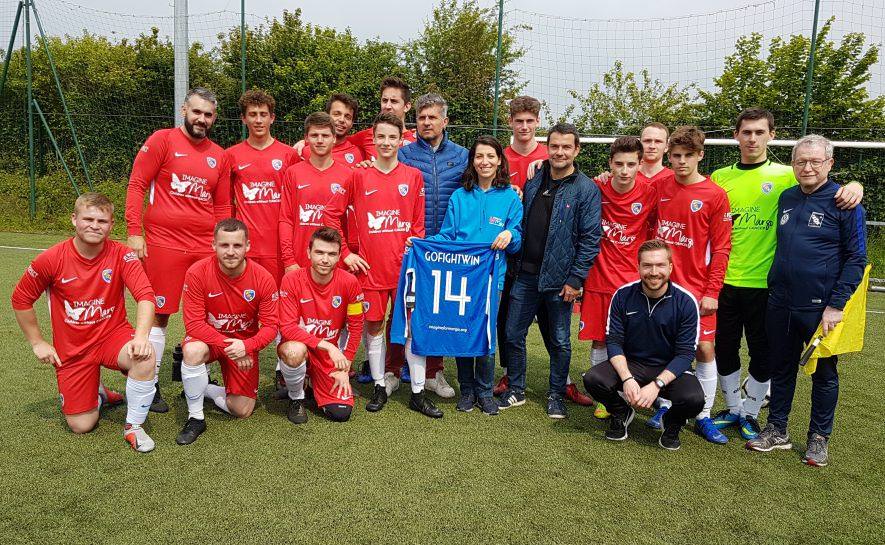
(815, 163)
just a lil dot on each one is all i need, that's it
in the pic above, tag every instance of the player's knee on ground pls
(83, 422)
(292, 353)
(240, 406)
(195, 353)
(337, 413)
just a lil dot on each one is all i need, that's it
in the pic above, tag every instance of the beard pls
(194, 131)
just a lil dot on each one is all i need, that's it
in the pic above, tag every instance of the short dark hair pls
(626, 144)
(256, 97)
(525, 104)
(470, 178)
(689, 137)
(326, 234)
(653, 245)
(752, 114)
(388, 119)
(206, 94)
(319, 119)
(393, 82)
(656, 125)
(345, 99)
(565, 128)
(231, 225)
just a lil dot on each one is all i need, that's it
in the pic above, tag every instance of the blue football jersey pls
(447, 298)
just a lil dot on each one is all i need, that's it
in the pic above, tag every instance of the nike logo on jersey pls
(66, 280)
(371, 191)
(632, 313)
(709, 331)
(664, 200)
(512, 174)
(302, 186)
(302, 301)
(214, 294)
(180, 154)
(241, 167)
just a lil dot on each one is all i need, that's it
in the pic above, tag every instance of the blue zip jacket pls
(442, 170)
(658, 334)
(821, 251)
(479, 216)
(573, 236)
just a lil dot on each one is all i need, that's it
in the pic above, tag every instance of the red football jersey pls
(310, 312)
(306, 191)
(189, 191)
(257, 180)
(695, 220)
(389, 208)
(661, 175)
(217, 307)
(345, 153)
(628, 220)
(364, 140)
(519, 164)
(86, 302)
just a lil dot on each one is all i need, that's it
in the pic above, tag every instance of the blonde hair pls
(96, 200)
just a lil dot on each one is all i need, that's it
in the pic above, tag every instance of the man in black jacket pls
(652, 336)
(561, 230)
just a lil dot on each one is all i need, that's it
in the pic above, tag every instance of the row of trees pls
(119, 91)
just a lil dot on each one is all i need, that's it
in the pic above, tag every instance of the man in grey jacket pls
(561, 231)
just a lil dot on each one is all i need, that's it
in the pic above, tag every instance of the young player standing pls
(388, 200)
(628, 220)
(186, 177)
(230, 314)
(316, 303)
(654, 145)
(343, 108)
(84, 278)
(396, 99)
(694, 219)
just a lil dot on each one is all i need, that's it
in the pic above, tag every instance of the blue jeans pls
(526, 302)
(788, 331)
(475, 375)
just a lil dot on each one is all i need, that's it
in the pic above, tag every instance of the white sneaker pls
(138, 439)
(439, 385)
(391, 383)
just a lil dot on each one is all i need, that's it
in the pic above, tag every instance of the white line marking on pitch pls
(23, 248)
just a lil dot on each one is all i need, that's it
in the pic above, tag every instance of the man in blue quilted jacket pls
(442, 162)
(561, 230)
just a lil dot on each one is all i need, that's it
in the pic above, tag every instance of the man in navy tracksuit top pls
(819, 262)
(652, 335)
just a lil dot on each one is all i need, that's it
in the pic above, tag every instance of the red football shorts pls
(274, 266)
(236, 382)
(375, 303)
(708, 328)
(78, 380)
(594, 316)
(319, 365)
(165, 268)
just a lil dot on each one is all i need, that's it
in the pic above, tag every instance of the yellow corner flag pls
(848, 334)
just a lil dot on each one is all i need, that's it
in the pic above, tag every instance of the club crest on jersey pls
(365, 307)
(816, 220)
(403, 189)
(161, 301)
(336, 301)
(636, 208)
(349, 157)
(785, 217)
(767, 187)
(106, 275)
(211, 161)
(144, 149)
(336, 189)
(581, 325)
(696, 205)
(277, 164)
(248, 295)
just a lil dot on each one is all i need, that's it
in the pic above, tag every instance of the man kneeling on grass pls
(651, 337)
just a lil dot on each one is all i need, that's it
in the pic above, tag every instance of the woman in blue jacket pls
(484, 209)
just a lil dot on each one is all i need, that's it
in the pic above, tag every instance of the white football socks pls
(218, 395)
(279, 361)
(139, 394)
(706, 374)
(730, 385)
(194, 378)
(375, 351)
(417, 368)
(756, 392)
(598, 355)
(157, 338)
(294, 380)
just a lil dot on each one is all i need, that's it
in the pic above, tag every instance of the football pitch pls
(398, 477)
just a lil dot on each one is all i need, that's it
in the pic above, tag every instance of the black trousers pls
(603, 383)
(742, 312)
(337, 412)
(503, 309)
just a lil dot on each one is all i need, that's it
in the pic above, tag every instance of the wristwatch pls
(660, 383)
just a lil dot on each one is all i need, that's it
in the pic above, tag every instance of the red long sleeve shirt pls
(365, 141)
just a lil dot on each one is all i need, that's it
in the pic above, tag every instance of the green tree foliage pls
(455, 55)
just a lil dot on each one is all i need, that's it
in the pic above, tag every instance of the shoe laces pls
(817, 444)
